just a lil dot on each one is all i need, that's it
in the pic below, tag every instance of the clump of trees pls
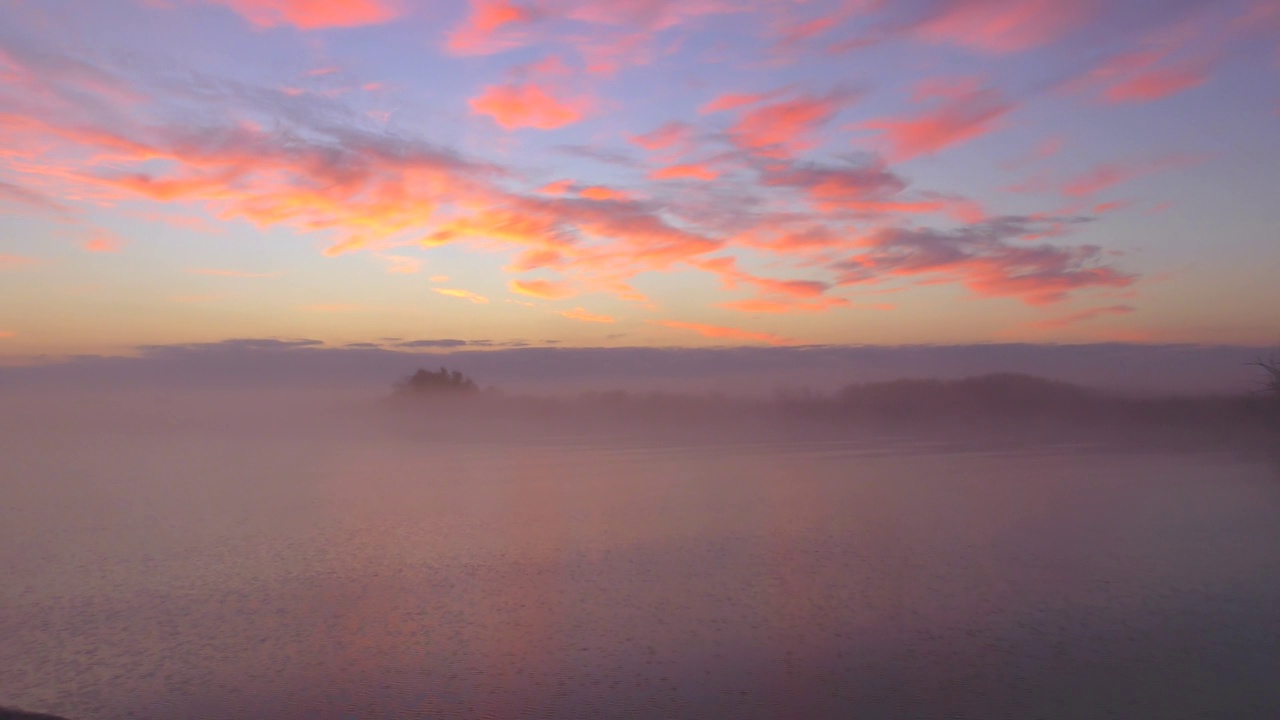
(1270, 389)
(440, 382)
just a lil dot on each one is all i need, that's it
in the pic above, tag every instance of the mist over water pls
(333, 555)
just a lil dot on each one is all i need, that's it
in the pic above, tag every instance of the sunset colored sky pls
(638, 172)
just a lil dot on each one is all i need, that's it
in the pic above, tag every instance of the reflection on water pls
(201, 577)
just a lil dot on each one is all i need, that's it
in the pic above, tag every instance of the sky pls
(637, 173)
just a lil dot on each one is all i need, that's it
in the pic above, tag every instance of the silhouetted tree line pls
(993, 397)
(440, 382)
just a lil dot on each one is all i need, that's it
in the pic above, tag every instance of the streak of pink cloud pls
(769, 306)
(670, 134)
(582, 315)
(688, 171)
(312, 14)
(1160, 83)
(463, 294)
(786, 126)
(1004, 26)
(543, 289)
(729, 333)
(9, 262)
(952, 122)
(733, 101)
(1109, 175)
(1082, 316)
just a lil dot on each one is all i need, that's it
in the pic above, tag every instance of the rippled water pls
(192, 576)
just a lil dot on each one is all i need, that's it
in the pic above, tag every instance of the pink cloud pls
(650, 15)
(793, 33)
(949, 123)
(1043, 150)
(687, 171)
(312, 14)
(103, 241)
(463, 294)
(6, 334)
(1159, 83)
(544, 289)
(778, 296)
(10, 262)
(364, 190)
(599, 192)
(559, 187)
(772, 306)
(980, 258)
(728, 333)
(1004, 26)
(1166, 62)
(1109, 175)
(402, 264)
(670, 134)
(526, 105)
(1082, 316)
(582, 315)
(786, 126)
(1112, 206)
(1049, 147)
(733, 101)
(489, 28)
(871, 190)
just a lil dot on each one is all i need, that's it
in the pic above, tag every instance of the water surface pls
(202, 575)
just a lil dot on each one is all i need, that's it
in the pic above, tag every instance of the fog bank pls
(757, 371)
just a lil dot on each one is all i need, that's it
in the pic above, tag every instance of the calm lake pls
(188, 575)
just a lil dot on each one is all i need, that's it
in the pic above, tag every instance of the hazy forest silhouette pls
(1007, 405)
